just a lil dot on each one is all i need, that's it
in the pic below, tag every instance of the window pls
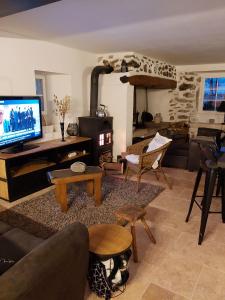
(214, 94)
(41, 91)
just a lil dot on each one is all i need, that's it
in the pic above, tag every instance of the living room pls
(162, 58)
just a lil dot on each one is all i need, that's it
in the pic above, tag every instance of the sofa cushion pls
(5, 264)
(15, 243)
(54, 270)
(4, 227)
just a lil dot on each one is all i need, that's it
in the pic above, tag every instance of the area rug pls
(42, 216)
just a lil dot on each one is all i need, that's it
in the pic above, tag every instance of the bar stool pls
(213, 171)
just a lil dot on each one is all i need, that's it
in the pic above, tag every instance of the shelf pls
(25, 172)
(40, 165)
(79, 155)
(31, 167)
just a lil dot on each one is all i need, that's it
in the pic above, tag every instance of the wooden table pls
(93, 176)
(108, 239)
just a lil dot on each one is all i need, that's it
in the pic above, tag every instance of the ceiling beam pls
(149, 82)
(9, 7)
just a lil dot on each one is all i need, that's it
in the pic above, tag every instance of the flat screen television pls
(20, 122)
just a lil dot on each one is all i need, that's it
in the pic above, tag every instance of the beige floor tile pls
(154, 253)
(177, 274)
(211, 253)
(218, 233)
(171, 219)
(210, 285)
(133, 291)
(173, 203)
(155, 292)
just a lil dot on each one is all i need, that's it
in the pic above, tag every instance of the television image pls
(20, 122)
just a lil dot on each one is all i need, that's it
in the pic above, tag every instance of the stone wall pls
(183, 104)
(139, 64)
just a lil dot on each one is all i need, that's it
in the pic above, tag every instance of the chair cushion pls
(133, 158)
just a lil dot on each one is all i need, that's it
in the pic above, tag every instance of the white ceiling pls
(177, 31)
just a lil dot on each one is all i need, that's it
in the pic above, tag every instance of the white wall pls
(158, 102)
(19, 58)
(118, 98)
(59, 85)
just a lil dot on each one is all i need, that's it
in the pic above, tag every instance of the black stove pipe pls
(94, 86)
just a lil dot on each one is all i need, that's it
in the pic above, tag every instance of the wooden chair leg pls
(147, 229)
(134, 244)
(156, 175)
(126, 173)
(138, 181)
(166, 179)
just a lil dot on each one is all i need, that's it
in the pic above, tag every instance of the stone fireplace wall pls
(139, 63)
(183, 103)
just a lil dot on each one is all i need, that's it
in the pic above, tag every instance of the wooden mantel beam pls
(149, 82)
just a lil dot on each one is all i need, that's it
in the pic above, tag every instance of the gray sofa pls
(52, 269)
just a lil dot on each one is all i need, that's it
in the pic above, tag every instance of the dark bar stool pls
(214, 171)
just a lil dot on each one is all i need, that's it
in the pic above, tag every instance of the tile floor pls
(176, 268)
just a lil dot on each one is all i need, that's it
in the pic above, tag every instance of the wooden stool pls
(132, 214)
(108, 239)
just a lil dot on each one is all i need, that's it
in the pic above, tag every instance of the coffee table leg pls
(61, 196)
(98, 191)
(90, 187)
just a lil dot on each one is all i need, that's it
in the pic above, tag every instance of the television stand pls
(25, 172)
(20, 147)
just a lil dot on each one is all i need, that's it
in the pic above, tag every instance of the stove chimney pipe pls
(94, 86)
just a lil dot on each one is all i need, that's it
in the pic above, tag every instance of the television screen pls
(20, 120)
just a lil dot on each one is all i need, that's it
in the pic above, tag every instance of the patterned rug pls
(42, 216)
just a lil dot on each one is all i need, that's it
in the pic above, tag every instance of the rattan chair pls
(146, 161)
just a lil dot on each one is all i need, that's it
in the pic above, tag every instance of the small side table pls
(132, 214)
(109, 239)
(108, 243)
(93, 176)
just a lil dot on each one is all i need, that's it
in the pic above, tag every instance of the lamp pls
(221, 108)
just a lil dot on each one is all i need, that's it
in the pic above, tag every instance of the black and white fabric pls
(107, 277)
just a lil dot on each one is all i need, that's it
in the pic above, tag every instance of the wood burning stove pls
(100, 129)
(101, 132)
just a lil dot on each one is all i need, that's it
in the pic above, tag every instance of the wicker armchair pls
(146, 161)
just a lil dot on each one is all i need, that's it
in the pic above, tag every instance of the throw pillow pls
(5, 264)
(157, 142)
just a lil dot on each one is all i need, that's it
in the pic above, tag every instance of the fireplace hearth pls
(101, 132)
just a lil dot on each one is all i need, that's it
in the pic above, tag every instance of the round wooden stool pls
(108, 239)
(132, 214)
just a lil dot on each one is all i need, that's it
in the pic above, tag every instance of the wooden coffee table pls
(108, 239)
(93, 176)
